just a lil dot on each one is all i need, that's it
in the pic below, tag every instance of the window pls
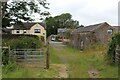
(37, 31)
(24, 31)
(43, 33)
(109, 31)
(17, 31)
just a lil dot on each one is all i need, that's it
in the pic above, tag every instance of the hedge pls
(112, 47)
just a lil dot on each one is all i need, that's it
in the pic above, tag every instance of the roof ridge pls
(96, 24)
(99, 25)
(32, 22)
(28, 25)
(89, 28)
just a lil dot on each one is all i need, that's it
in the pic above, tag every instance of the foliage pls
(112, 47)
(51, 29)
(5, 56)
(9, 68)
(15, 12)
(23, 43)
(19, 43)
(80, 26)
(65, 21)
(68, 34)
(61, 21)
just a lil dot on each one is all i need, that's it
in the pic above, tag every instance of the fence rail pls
(30, 56)
(117, 54)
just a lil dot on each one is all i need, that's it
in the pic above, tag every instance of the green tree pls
(80, 26)
(61, 21)
(16, 12)
(50, 22)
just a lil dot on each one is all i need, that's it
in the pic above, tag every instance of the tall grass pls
(79, 63)
(26, 72)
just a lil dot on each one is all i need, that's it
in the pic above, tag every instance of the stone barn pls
(84, 37)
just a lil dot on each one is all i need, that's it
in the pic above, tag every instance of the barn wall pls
(102, 35)
(99, 35)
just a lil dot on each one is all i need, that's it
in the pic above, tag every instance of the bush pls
(5, 56)
(9, 68)
(23, 43)
(112, 47)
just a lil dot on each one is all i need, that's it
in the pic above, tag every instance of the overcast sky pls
(87, 11)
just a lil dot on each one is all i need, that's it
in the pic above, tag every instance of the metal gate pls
(117, 54)
(29, 57)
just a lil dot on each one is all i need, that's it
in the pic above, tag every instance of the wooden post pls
(9, 54)
(117, 54)
(47, 56)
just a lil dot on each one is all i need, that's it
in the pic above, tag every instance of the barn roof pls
(27, 25)
(88, 28)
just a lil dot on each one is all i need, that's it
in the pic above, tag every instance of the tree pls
(80, 26)
(61, 21)
(50, 22)
(16, 12)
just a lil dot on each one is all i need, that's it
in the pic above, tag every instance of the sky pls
(87, 12)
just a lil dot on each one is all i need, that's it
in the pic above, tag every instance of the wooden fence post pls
(47, 56)
(9, 54)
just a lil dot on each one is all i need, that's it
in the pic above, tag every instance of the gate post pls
(9, 53)
(117, 54)
(47, 56)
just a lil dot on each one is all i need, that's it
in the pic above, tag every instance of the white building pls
(33, 28)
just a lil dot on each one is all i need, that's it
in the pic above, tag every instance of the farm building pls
(64, 33)
(84, 37)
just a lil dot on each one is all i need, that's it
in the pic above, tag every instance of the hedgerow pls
(112, 47)
(22, 42)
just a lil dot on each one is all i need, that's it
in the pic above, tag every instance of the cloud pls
(87, 11)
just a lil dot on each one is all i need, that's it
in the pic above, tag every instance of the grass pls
(31, 72)
(79, 63)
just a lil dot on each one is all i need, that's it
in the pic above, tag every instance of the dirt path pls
(53, 43)
(93, 73)
(62, 70)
